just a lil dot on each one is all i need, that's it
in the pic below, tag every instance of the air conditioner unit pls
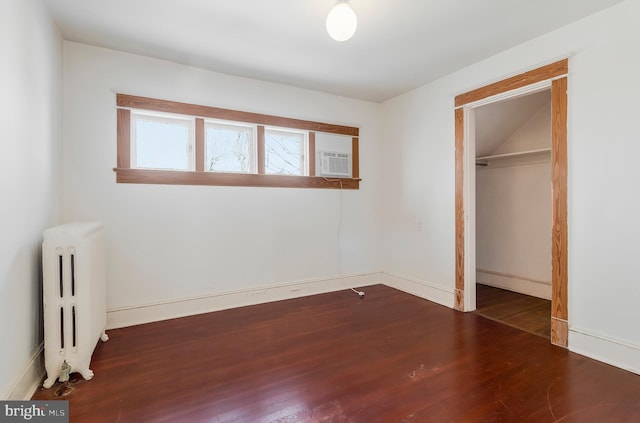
(334, 164)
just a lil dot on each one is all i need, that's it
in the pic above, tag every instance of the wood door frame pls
(555, 76)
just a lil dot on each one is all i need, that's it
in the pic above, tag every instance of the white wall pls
(166, 243)
(534, 134)
(513, 212)
(30, 175)
(418, 190)
(604, 201)
(513, 227)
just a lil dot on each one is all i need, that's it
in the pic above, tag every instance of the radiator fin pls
(73, 325)
(73, 275)
(62, 328)
(60, 275)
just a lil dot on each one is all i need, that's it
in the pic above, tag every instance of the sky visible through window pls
(162, 145)
(165, 144)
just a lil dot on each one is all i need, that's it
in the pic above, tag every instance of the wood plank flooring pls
(390, 357)
(520, 311)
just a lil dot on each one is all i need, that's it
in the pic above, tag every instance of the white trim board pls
(605, 349)
(29, 378)
(428, 291)
(147, 313)
(520, 284)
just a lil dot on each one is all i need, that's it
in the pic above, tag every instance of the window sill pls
(176, 177)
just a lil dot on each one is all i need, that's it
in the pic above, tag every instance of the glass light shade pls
(342, 22)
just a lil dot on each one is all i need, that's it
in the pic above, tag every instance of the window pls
(165, 142)
(162, 142)
(230, 148)
(284, 152)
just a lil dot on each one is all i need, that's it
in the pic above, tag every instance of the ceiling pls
(496, 122)
(399, 44)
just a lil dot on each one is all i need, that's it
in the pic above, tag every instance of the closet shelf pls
(518, 154)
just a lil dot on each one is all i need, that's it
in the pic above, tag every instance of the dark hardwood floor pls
(390, 357)
(520, 311)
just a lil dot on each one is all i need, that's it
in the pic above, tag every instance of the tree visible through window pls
(167, 142)
(229, 148)
(284, 152)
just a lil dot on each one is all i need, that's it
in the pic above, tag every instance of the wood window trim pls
(261, 150)
(177, 177)
(200, 145)
(312, 153)
(124, 138)
(126, 174)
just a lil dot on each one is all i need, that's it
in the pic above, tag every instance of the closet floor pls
(521, 311)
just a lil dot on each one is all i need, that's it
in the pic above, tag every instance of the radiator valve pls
(65, 369)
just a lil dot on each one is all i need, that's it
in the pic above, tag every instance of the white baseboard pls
(146, 313)
(438, 294)
(30, 377)
(515, 283)
(603, 348)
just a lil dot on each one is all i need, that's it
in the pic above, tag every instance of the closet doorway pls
(513, 211)
(553, 77)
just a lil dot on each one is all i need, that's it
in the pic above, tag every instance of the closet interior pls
(513, 211)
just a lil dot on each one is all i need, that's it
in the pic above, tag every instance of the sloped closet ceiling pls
(495, 122)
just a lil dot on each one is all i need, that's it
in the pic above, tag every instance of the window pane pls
(284, 153)
(228, 149)
(161, 145)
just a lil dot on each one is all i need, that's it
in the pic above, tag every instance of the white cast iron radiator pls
(73, 259)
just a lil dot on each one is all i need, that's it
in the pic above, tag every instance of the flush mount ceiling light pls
(342, 21)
